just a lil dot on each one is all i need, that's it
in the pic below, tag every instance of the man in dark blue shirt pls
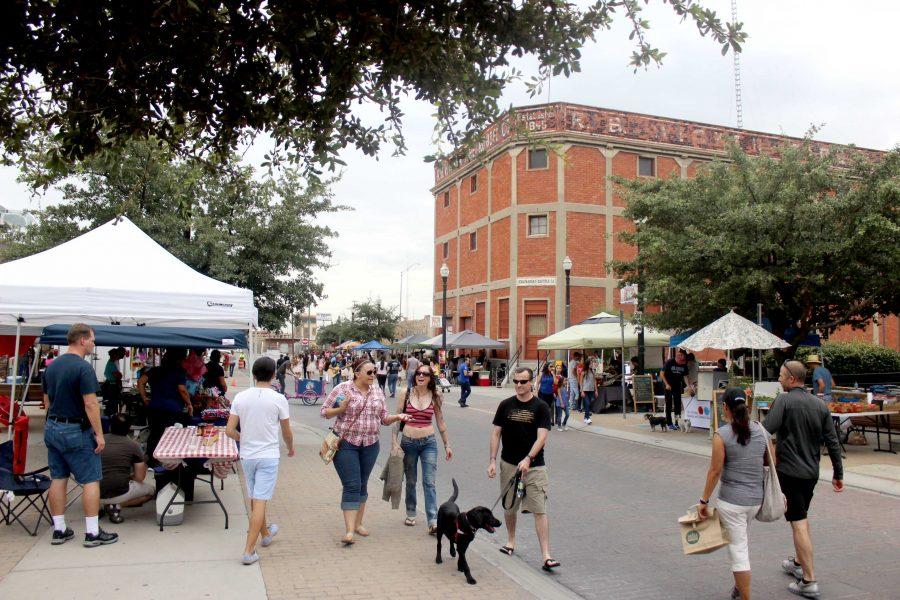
(465, 388)
(74, 437)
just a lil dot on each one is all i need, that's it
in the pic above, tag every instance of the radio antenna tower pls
(737, 75)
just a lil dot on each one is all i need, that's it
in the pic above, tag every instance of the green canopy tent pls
(603, 330)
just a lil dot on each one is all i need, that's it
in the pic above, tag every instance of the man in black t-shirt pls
(215, 374)
(675, 378)
(393, 369)
(522, 424)
(74, 437)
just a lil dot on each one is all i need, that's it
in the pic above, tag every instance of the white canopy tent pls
(730, 332)
(603, 330)
(115, 275)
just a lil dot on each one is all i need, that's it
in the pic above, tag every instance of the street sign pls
(305, 341)
(628, 294)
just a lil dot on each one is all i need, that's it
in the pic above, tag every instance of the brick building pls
(508, 214)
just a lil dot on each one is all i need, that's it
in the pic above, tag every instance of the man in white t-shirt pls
(260, 411)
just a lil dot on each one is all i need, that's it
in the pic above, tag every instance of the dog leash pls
(513, 482)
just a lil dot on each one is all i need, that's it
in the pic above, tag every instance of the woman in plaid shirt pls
(360, 410)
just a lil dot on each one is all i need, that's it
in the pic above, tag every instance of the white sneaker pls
(587, 421)
(249, 559)
(792, 568)
(273, 531)
(807, 590)
(566, 428)
(558, 428)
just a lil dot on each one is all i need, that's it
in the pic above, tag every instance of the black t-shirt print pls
(520, 422)
(675, 374)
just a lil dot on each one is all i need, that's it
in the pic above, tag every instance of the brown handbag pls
(332, 441)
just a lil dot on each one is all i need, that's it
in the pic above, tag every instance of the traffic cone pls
(233, 382)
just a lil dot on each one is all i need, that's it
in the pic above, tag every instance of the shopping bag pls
(702, 536)
(774, 504)
(330, 446)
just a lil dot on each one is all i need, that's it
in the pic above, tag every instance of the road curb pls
(866, 483)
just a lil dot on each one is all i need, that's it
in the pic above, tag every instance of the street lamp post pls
(567, 267)
(445, 273)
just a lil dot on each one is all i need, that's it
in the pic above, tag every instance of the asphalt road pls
(613, 511)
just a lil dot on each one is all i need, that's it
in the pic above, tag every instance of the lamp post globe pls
(567, 267)
(445, 273)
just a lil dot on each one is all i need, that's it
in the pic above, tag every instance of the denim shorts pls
(261, 475)
(70, 451)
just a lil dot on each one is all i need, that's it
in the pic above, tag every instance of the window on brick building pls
(473, 241)
(503, 319)
(538, 226)
(537, 159)
(446, 250)
(646, 166)
(474, 184)
(446, 199)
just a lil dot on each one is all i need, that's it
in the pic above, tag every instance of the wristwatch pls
(702, 501)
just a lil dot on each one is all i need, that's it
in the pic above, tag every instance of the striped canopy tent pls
(348, 345)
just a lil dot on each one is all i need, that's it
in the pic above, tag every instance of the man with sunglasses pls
(801, 423)
(522, 423)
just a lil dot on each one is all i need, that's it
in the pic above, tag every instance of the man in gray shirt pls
(801, 423)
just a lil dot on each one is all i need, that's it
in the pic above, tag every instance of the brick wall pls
(535, 186)
(537, 255)
(585, 172)
(474, 205)
(445, 217)
(500, 182)
(500, 249)
(474, 262)
(586, 244)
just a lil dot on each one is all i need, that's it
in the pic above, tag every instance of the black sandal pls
(550, 564)
(507, 550)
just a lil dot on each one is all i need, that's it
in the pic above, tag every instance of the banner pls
(697, 411)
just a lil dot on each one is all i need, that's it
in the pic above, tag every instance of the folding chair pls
(30, 490)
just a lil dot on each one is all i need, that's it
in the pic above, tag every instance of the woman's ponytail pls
(736, 401)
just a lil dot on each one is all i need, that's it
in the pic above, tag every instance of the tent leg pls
(12, 393)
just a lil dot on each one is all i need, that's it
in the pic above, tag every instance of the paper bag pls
(702, 536)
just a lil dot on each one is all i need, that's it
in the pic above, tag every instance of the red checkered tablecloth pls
(176, 444)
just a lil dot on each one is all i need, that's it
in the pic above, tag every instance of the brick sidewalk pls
(308, 561)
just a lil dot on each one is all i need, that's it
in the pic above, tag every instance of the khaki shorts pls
(537, 481)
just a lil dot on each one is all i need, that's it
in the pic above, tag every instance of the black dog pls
(460, 527)
(656, 422)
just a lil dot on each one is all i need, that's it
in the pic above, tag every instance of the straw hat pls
(813, 359)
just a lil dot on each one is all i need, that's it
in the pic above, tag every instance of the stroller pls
(443, 382)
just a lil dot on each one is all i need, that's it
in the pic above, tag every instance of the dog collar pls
(459, 530)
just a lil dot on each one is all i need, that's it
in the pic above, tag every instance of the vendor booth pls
(138, 283)
(468, 340)
(730, 332)
(605, 331)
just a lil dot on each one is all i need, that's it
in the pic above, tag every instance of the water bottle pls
(520, 489)
(337, 403)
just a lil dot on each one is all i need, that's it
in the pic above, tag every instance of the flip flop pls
(550, 564)
(362, 531)
(410, 522)
(347, 541)
(507, 550)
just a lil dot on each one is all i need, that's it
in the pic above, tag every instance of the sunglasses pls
(521, 381)
(788, 369)
(369, 372)
(423, 374)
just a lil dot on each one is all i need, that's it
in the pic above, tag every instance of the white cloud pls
(804, 63)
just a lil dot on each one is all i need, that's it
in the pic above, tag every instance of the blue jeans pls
(588, 402)
(560, 422)
(465, 390)
(424, 449)
(354, 464)
(392, 384)
(574, 395)
(70, 451)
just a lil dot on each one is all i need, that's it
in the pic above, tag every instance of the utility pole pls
(737, 75)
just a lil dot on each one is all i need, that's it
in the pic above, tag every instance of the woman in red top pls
(421, 403)
(360, 410)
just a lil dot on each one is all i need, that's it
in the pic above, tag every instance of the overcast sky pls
(828, 62)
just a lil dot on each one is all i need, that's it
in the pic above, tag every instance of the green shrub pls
(849, 357)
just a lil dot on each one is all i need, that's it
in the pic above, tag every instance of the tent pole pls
(12, 393)
(622, 359)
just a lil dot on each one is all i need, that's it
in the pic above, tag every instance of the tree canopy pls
(259, 233)
(370, 320)
(205, 76)
(817, 245)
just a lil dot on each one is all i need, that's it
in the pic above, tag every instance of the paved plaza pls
(616, 491)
